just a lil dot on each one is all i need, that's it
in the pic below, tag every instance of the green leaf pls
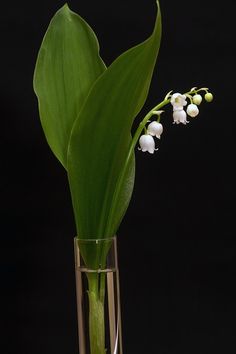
(67, 66)
(101, 180)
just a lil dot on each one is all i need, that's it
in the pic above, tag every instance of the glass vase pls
(98, 296)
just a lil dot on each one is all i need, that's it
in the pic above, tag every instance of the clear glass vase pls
(98, 296)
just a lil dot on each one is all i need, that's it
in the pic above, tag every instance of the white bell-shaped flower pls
(147, 143)
(180, 117)
(192, 110)
(178, 101)
(155, 129)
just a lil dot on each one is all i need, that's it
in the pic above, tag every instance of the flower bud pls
(155, 129)
(147, 143)
(208, 97)
(192, 110)
(180, 117)
(197, 99)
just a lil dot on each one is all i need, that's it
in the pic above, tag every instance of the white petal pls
(147, 143)
(178, 100)
(180, 117)
(177, 108)
(155, 129)
(192, 110)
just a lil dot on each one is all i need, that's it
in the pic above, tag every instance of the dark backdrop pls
(177, 240)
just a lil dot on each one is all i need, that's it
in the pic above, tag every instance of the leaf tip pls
(65, 7)
(158, 7)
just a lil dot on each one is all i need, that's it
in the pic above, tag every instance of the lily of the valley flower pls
(192, 110)
(155, 129)
(191, 99)
(180, 117)
(147, 143)
(178, 101)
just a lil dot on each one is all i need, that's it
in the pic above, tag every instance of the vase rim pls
(95, 239)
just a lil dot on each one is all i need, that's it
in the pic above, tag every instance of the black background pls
(177, 240)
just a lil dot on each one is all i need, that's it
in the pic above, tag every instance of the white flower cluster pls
(146, 141)
(178, 102)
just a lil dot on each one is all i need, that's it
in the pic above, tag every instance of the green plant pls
(87, 112)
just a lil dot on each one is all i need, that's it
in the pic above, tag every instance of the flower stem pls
(96, 292)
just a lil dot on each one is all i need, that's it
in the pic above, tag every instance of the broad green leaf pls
(67, 66)
(101, 182)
